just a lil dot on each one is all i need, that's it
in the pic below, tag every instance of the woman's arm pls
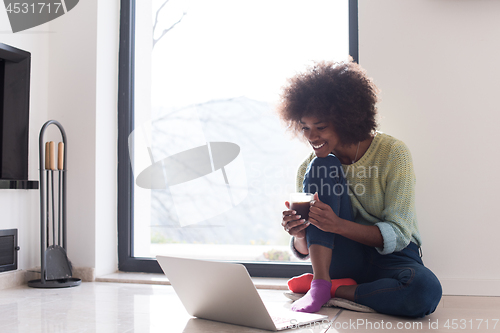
(300, 244)
(365, 234)
(398, 218)
(322, 216)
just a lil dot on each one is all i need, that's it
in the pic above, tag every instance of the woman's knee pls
(325, 165)
(325, 176)
(425, 294)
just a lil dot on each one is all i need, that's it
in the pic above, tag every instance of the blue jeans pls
(395, 284)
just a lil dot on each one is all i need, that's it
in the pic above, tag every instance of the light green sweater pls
(382, 191)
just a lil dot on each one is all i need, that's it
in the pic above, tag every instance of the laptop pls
(225, 292)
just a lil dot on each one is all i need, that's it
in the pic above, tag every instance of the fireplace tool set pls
(56, 270)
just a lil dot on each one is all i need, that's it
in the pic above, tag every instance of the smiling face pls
(321, 136)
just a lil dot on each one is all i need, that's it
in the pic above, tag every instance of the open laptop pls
(225, 292)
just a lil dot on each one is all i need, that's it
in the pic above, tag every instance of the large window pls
(204, 164)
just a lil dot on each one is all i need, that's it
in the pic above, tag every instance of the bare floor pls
(124, 307)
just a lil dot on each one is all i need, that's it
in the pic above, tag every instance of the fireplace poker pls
(52, 168)
(60, 166)
(47, 176)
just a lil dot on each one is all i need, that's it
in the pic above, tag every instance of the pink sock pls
(300, 284)
(341, 282)
(315, 298)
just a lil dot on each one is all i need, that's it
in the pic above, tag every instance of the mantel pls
(18, 184)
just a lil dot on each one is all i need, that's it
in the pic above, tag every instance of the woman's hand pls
(322, 216)
(293, 223)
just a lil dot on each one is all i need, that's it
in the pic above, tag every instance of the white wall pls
(73, 47)
(74, 81)
(437, 64)
(106, 143)
(84, 73)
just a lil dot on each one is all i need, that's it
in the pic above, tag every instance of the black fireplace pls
(15, 65)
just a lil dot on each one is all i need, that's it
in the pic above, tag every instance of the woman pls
(362, 234)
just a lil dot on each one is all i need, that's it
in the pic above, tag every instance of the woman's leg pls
(324, 176)
(349, 260)
(401, 284)
(395, 284)
(321, 257)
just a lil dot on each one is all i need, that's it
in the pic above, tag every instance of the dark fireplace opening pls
(2, 79)
(15, 66)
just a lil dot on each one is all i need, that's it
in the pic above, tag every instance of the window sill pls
(160, 279)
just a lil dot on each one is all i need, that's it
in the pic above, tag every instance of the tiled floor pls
(123, 307)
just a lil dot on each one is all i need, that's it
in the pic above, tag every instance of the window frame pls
(126, 260)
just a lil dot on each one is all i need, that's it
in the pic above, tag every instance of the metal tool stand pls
(55, 269)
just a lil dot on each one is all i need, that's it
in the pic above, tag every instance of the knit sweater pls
(382, 191)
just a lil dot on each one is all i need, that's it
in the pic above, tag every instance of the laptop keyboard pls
(280, 320)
